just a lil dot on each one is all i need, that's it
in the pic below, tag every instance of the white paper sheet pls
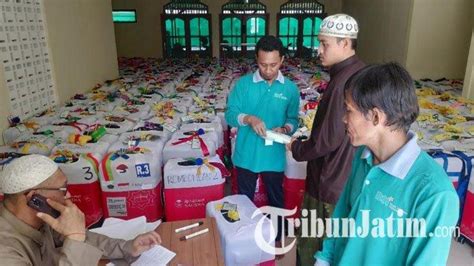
(111, 221)
(152, 226)
(276, 137)
(126, 230)
(149, 226)
(157, 255)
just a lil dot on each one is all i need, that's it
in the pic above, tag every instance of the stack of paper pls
(273, 136)
(158, 255)
(128, 230)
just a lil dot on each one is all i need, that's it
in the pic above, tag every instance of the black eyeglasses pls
(63, 189)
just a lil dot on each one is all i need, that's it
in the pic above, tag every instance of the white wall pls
(439, 38)
(383, 28)
(82, 46)
(82, 42)
(468, 89)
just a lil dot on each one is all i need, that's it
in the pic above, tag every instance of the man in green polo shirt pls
(394, 187)
(264, 100)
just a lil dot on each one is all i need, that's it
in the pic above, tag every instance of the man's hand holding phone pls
(71, 223)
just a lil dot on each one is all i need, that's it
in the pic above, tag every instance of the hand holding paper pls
(144, 242)
(257, 125)
(272, 136)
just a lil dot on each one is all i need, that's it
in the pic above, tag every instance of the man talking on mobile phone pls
(32, 237)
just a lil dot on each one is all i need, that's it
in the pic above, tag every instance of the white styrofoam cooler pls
(36, 144)
(155, 145)
(237, 239)
(208, 127)
(116, 127)
(100, 148)
(144, 126)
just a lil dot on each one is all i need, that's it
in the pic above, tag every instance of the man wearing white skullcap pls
(30, 237)
(328, 151)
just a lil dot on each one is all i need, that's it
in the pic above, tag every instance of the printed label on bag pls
(170, 127)
(229, 206)
(117, 206)
(268, 142)
(143, 170)
(186, 118)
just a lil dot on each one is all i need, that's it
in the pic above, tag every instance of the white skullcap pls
(26, 172)
(339, 25)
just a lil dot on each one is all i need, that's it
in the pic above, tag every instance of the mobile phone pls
(40, 204)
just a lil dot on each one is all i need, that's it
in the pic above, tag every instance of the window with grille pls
(298, 26)
(186, 29)
(24, 56)
(231, 30)
(288, 32)
(310, 32)
(243, 23)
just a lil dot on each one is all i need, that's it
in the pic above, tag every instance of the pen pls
(188, 227)
(203, 231)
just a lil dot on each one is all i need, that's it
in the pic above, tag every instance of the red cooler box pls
(294, 184)
(467, 220)
(466, 224)
(131, 184)
(83, 182)
(190, 186)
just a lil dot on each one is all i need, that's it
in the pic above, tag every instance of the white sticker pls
(268, 142)
(186, 118)
(117, 206)
(147, 186)
(170, 127)
(195, 144)
(132, 143)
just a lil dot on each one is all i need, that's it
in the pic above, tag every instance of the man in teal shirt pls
(392, 182)
(260, 101)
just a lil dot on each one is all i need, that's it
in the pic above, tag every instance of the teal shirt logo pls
(389, 202)
(280, 96)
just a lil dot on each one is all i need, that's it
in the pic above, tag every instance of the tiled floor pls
(459, 255)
